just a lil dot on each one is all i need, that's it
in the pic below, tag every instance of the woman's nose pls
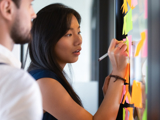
(78, 40)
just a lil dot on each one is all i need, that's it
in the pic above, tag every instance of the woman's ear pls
(7, 9)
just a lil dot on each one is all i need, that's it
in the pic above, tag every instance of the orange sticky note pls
(130, 113)
(124, 7)
(140, 44)
(130, 4)
(127, 95)
(137, 94)
(145, 46)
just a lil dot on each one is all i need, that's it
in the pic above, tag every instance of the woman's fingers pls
(113, 44)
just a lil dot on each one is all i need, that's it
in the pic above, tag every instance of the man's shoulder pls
(21, 94)
(13, 75)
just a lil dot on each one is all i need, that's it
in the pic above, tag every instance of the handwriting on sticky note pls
(140, 44)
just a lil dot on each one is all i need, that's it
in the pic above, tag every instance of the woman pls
(56, 42)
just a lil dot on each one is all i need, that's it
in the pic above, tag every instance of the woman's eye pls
(79, 32)
(68, 35)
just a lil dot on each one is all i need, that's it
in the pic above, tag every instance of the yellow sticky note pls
(140, 44)
(137, 94)
(127, 43)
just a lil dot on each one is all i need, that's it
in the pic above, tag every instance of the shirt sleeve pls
(20, 97)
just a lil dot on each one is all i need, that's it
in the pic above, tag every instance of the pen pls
(102, 57)
(105, 55)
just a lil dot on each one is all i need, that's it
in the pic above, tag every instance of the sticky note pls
(137, 94)
(124, 113)
(140, 44)
(127, 95)
(127, 22)
(127, 100)
(145, 46)
(144, 115)
(123, 92)
(124, 7)
(134, 3)
(129, 25)
(130, 113)
(146, 9)
(129, 44)
(124, 26)
(130, 4)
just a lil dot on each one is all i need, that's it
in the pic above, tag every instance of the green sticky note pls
(145, 113)
(124, 26)
(129, 24)
(124, 113)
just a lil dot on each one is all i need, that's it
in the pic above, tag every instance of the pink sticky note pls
(127, 101)
(145, 46)
(146, 9)
(130, 43)
(134, 3)
(126, 115)
(123, 92)
(124, 39)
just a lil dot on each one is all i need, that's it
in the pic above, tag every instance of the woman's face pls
(68, 48)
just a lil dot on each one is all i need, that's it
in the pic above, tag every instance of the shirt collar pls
(6, 56)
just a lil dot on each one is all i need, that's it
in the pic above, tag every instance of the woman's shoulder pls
(43, 73)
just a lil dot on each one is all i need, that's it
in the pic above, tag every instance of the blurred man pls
(20, 97)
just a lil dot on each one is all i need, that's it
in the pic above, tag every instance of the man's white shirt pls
(20, 97)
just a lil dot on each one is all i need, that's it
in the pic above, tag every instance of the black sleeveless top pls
(42, 73)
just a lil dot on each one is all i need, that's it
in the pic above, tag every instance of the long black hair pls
(52, 22)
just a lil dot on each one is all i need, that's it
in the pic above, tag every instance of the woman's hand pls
(118, 57)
